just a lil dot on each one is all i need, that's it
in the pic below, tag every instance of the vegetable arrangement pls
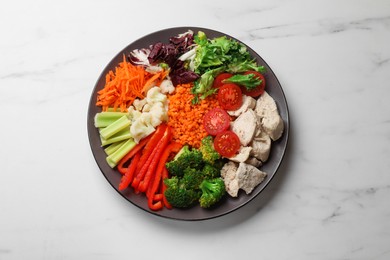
(165, 123)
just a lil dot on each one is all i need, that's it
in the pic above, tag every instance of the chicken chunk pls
(271, 121)
(254, 161)
(249, 177)
(228, 174)
(243, 154)
(247, 103)
(261, 146)
(245, 177)
(245, 126)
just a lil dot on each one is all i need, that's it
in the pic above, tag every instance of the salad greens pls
(198, 59)
(250, 81)
(219, 55)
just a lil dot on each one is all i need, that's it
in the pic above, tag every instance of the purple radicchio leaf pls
(139, 57)
(163, 52)
(183, 41)
(180, 75)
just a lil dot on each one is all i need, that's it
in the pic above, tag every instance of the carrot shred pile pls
(127, 83)
(185, 118)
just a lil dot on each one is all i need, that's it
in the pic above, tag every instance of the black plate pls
(229, 204)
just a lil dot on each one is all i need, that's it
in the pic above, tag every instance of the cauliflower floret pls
(154, 95)
(139, 104)
(140, 131)
(147, 107)
(134, 114)
(157, 113)
(148, 113)
(167, 86)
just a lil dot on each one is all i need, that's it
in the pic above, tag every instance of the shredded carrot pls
(155, 80)
(127, 83)
(185, 118)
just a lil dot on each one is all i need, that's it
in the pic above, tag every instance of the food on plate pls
(227, 143)
(195, 177)
(245, 126)
(230, 96)
(241, 176)
(216, 121)
(271, 120)
(188, 122)
(185, 118)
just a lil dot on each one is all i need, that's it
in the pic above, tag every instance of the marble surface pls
(330, 198)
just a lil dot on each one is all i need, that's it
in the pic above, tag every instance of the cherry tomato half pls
(218, 79)
(216, 121)
(227, 143)
(259, 89)
(230, 96)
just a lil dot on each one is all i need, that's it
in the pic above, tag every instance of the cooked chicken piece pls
(243, 154)
(245, 177)
(249, 177)
(245, 126)
(254, 161)
(268, 112)
(273, 126)
(265, 104)
(261, 146)
(228, 174)
(229, 170)
(247, 103)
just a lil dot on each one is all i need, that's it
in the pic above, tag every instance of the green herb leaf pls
(249, 81)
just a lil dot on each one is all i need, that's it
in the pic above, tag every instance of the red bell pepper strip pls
(127, 178)
(130, 154)
(147, 154)
(142, 171)
(151, 145)
(162, 144)
(172, 147)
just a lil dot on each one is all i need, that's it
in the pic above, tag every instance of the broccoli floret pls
(192, 178)
(184, 159)
(210, 171)
(208, 151)
(212, 191)
(178, 195)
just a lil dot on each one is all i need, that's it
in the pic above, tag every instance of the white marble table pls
(330, 198)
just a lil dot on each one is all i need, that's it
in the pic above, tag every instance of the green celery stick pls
(120, 136)
(115, 127)
(104, 119)
(113, 147)
(116, 156)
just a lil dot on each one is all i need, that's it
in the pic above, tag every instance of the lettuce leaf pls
(214, 56)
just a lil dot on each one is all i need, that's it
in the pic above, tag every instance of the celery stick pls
(113, 147)
(116, 156)
(120, 136)
(104, 119)
(115, 127)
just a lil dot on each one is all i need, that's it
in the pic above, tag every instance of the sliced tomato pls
(259, 89)
(218, 79)
(230, 96)
(227, 143)
(216, 121)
